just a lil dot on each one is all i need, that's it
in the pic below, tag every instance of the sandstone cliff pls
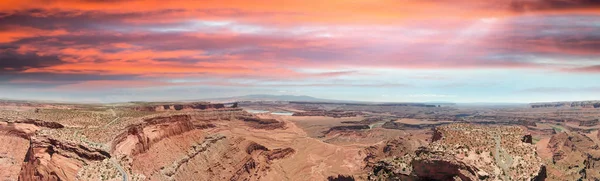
(138, 138)
(51, 159)
(15, 143)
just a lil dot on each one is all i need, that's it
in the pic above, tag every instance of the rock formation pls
(340, 178)
(193, 153)
(15, 143)
(138, 138)
(576, 153)
(389, 149)
(40, 123)
(467, 152)
(19, 143)
(527, 139)
(51, 159)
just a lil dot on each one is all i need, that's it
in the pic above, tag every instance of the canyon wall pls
(180, 106)
(579, 104)
(51, 159)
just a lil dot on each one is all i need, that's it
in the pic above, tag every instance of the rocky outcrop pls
(437, 135)
(12, 153)
(51, 159)
(571, 151)
(391, 148)
(564, 143)
(444, 166)
(138, 138)
(179, 107)
(527, 139)
(280, 153)
(26, 128)
(20, 130)
(467, 152)
(340, 178)
(19, 143)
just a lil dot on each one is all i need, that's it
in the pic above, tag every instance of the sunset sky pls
(367, 50)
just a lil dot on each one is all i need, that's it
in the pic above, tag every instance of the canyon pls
(213, 141)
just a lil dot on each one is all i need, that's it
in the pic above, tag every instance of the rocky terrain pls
(207, 141)
(40, 150)
(51, 159)
(574, 156)
(467, 152)
(15, 140)
(198, 144)
(581, 104)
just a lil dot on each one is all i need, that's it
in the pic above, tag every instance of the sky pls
(365, 50)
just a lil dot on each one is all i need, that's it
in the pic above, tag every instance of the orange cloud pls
(138, 67)
(109, 84)
(279, 11)
(12, 33)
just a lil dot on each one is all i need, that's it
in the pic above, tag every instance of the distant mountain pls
(266, 97)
